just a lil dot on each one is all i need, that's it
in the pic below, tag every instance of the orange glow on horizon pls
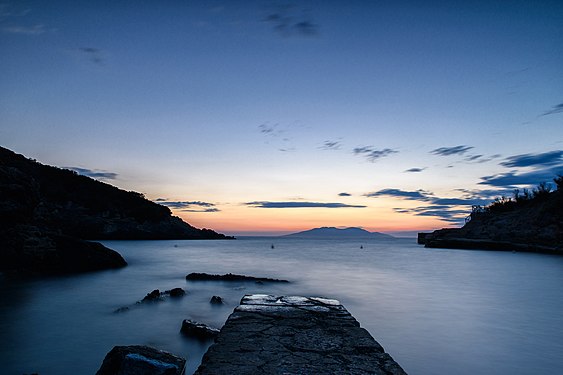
(290, 220)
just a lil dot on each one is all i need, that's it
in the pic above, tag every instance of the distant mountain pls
(332, 232)
(46, 213)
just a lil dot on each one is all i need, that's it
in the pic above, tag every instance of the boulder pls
(176, 292)
(141, 360)
(198, 330)
(216, 300)
(152, 296)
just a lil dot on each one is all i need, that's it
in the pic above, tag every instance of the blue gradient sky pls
(253, 117)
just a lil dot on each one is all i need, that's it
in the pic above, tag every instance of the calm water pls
(434, 311)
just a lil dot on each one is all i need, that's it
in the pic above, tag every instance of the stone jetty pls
(294, 335)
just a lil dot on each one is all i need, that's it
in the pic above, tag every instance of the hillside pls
(44, 207)
(332, 232)
(524, 224)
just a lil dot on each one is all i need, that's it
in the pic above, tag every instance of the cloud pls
(289, 21)
(95, 55)
(461, 201)
(372, 154)
(331, 145)
(37, 29)
(455, 150)
(528, 160)
(443, 213)
(555, 109)
(414, 170)
(512, 178)
(419, 195)
(344, 195)
(265, 204)
(188, 206)
(102, 175)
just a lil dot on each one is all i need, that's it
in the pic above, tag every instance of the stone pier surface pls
(294, 335)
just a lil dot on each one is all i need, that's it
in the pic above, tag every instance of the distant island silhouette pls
(530, 221)
(332, 232)
(47, 213)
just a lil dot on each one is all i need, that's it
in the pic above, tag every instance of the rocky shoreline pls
(47, 214)
(269, 334)
(533, 224)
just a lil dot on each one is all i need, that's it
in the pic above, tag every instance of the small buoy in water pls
(272, 246)
(361, 246)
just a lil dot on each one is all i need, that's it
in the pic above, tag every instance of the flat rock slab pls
(294, 335)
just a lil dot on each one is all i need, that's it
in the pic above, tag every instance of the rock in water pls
(216, 300)
(176, 292)
(198, 330)
(36, 250)
(196, 276)
(141, 360)
(152, 296)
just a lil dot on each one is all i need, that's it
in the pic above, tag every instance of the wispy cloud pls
(443, 213)
(266, 204)
(419, 195)
(37, 29)
(455, 150)
(372, 154)
(289, 21)
(331, 145)
(102, 175)
(95, 55)
(479, 159)
(188, 206)
(15, 21)
(344, 195)
(280, 135)
(529, 178)
(555, 109)
(414, 170)
(528, 160)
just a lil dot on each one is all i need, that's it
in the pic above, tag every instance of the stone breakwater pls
(294, 335)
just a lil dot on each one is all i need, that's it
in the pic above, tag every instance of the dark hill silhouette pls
(531, 222)
(332, 232)
(45, 210)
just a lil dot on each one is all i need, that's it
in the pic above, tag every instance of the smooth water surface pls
(435, 311)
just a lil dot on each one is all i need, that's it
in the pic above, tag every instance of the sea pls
(435, 311)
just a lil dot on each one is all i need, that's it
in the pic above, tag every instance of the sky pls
(269, 117)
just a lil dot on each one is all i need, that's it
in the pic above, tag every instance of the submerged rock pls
(141, 360)
(176, 292)
(152, 296)
(155, 296)
(195, 276)
(216, 300)
(198, 330)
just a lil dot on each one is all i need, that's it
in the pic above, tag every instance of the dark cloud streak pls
(528, 160)
(555, 109)
(371, 154)
(455, 150)
(103, 175)
(188, 206)
(265, 204)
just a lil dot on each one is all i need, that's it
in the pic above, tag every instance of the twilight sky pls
(267, 117)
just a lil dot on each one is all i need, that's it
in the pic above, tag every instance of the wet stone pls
(294, 335)
(141, 360)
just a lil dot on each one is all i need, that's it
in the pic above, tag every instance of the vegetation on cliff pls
(531, 220)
